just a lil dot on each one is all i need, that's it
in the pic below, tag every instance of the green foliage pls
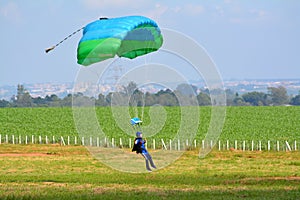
(278, 95)
(296, 100)
(255, 98)
(130, 95)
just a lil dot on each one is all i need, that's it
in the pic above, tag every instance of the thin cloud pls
(193, 9)
(188, 9)
(114, 4)
(11, 12)
(251, 16)
(157, 12)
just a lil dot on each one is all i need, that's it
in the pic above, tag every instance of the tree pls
(296, 100)
(101, 101)
(130, 88)
(187, 89)
(137, 98)
(203, 99)
(255, 98)
(4, 103)
(23, 98)
(166, 98)
(230, 96)
(239, 101)
(150, 99)
(67, 100)
(278, 95)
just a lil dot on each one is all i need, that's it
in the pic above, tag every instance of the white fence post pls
(62, 140)
(46, 139)
(113, 142)
(130, 146)
(195, 143)
(178, 145)
(26, 139)
(259, 144)
(32, 139)
(53, 139)
(40, 139)
(68, 140)
(91, 141)
(295, 144)
(13, 139)
(288, 146)
(6, 139)
(163, 144)
(219, 145)
(170, 144)
(244, 145)
(235, 144)
(75, 140)
(20, 140)
(227, 144)
(203, 144)
(82, 141)
(252, 145)
(0, 139)
(278, 147)
(269, 145)
(98, 141)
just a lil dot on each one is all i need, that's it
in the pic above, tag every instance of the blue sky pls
(247, 39)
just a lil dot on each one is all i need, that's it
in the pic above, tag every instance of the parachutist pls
(139, 147)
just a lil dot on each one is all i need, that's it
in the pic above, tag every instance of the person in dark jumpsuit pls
(139, 147)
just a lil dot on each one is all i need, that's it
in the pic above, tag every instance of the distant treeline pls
(134, 97)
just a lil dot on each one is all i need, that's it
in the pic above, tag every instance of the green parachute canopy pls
(129, 37)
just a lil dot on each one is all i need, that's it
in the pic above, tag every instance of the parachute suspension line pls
(136, 107)
(146, 75)
(51, 48)
(143, 106)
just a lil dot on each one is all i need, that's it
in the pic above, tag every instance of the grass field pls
(70, 172)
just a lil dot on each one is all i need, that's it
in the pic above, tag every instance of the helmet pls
(138, 134)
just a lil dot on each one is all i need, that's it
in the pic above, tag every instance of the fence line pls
(244, 145)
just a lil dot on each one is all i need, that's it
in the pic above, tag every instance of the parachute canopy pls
(135, 121)
(129, 37)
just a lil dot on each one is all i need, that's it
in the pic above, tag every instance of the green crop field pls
(70, 172)
(241, 123)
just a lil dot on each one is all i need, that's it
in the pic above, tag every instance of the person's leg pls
(147, 161)
(151, 161)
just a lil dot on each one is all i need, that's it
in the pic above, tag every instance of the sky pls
(246, 39)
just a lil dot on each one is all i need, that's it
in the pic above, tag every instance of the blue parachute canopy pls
(135, 121)
(128, 37)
